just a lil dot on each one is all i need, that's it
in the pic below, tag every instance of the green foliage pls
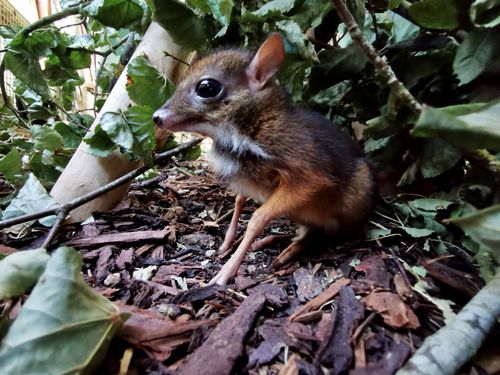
(435, 14)
(20, 271)
(61, 313)
(115, 13)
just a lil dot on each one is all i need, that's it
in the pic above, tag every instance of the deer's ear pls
(266, 62)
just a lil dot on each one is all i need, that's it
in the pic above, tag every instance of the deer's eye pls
(208, 88)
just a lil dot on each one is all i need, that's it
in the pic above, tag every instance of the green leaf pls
(32, 197)
(337, 65)
(38, 43)
(72, 138)
(479, 128)
(429, 204)
(437, 157)
(28, 71)
(271, 9)
(46, 138)
(418, 232)
(357, 8)
(221, 10)
(139, 119)
(62, 319)
(477, 52)
(20, 271)
(485, 13)
(185, 27)
(116, 126)
(483, 226)
(11, 165)
(311, 13)
(99, 142)
(297, 38)
(149, 87)
(435, 14)
(192, 153)
(7, 32)
(402, 29)
(115, 13)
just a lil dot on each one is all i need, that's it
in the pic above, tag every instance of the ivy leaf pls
(68, 3)
(437, 157)
(311, 13)
(116, 126)
(435, 14)
(418, 232)
(72, 138)
(28, 71)
(11, 164)
(46, 138)
(271, 9)
(139, 119)
(32, 197)
(429, 204)
(62, 318)
(485, 13)
(115, 13)
(483, 226)
(476, 126)
(20, 271)
(148, 86)
(477, 52)
(185, 27)
(99, 142)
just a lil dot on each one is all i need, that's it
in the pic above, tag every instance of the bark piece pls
(403, 289)
(336, 353)
(125, 259)
(391, 307)
(218, 354)
(458, 280)
(375, 270)
(105, 263)
(154, 334)
(308, 286)
(321, 299)
(274, 340)
(389, 363)
(126, 237)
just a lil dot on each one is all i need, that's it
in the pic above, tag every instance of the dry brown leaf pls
(391, 307)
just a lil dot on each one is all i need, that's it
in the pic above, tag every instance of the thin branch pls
(175, 58)
(380, 63)
(50, 19)
(61, 215)
(102, 190)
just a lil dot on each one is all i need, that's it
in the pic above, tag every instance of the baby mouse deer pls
(293, 161)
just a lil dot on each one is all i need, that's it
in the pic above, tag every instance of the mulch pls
(340, 308)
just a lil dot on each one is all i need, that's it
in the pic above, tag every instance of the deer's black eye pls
(208, 88)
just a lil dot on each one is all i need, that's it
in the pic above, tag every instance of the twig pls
(102, 190)
(61, 215)
(380, 63)
(175, 58)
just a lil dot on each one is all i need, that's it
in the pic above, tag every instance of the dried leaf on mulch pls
(395, 312)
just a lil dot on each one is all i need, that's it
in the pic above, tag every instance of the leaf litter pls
(358, 309)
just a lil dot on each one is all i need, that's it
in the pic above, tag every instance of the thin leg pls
(298, 244)
(230, 237)
(266, 241)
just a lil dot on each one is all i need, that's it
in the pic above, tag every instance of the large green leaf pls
(435, 14)
(437, 157)
(116, 126)
(271, 9)
(20, 271)
(477, 52)
(64, 327)
(140, 121)
(46, 138)
(11, 164)
(476, 128)
(296, 37)
(32, 197)
(27, 70)
(185, 27)
(311, 13)
(483, 226)
(115, 13)
(485, 12)
(99, 142)
(148, 86)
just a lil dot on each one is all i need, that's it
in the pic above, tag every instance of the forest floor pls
(358, 308)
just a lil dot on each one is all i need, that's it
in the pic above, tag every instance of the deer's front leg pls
(230, 237)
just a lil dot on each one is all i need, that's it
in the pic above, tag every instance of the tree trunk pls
(85, 172)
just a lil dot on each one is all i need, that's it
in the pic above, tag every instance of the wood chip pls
(318, 301)
(391, 307)
(118, 238)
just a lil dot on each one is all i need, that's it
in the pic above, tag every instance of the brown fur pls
(313, 172)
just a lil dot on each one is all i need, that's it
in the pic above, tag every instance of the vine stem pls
(63, 209)
(380, 63)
